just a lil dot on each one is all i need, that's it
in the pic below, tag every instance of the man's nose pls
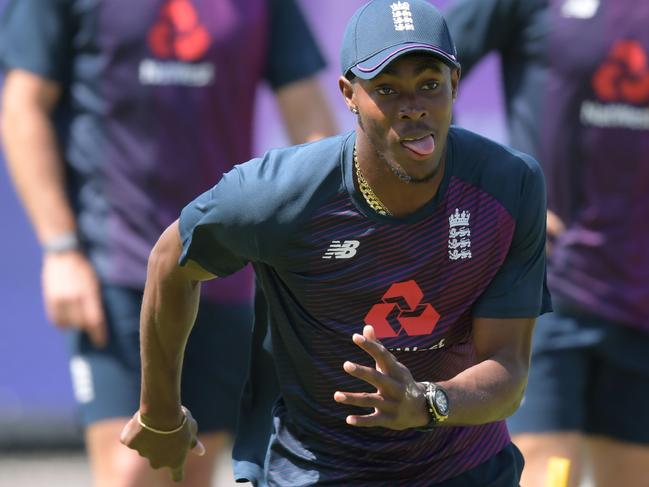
(412, 110)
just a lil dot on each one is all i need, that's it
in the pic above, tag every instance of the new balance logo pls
(342, 250)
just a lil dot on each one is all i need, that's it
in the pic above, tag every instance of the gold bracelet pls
(161, 432)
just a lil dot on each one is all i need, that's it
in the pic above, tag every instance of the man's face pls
(405, 112)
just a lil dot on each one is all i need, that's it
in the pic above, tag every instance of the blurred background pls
(38, 429)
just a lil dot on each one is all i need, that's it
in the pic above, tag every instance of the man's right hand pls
(164, 449)
(72, 294)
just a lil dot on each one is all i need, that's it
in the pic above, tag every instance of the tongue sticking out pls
(423, 147)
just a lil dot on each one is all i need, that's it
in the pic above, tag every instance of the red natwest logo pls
(624, 76)
(178, 32)
(403, 299)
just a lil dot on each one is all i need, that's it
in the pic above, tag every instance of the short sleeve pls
(519, 288)
(36, 36)
(213, 232)
(481, 26)
(293, 53)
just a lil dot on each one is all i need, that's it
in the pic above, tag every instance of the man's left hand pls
(398, 401)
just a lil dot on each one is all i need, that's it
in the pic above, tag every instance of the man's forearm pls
(305, 111)
(489, 391)
(169, 308)
(492, 389)
(32, 154)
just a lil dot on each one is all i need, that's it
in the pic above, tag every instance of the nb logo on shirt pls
(341, 250)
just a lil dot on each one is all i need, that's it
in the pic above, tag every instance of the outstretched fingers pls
(376, 419)
(384, 383)
(385, 361)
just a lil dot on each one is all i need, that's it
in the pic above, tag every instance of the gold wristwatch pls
(437, 404)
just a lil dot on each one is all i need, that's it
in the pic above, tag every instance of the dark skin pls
(411, 98)
(418, 91)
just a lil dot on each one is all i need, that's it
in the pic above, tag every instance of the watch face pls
(441, 402)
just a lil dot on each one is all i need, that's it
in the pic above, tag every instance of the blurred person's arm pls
(294, 60)
(305, 111)
(555, 228)
(479, 27)
(32, 152)
(70, 287)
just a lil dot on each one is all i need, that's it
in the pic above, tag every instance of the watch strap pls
(436, 416)
(65, 242)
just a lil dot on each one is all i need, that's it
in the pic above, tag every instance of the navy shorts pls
(587, 375)
(502, 470)
(106, 382)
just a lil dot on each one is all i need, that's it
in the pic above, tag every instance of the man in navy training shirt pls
(403, 265)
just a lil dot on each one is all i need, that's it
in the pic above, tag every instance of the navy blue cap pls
(383, 30)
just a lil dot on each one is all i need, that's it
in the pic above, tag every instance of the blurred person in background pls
(576, 83)
(114, 115)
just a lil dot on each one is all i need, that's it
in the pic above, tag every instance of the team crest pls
(459, 233)
(402, 16)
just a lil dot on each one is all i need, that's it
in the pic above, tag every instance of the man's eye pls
(431, 85)
(385, 90)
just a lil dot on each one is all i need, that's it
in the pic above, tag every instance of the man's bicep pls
(503, 337)
(215, 231)
(165, 256)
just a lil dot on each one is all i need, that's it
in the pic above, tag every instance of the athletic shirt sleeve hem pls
(293, 52)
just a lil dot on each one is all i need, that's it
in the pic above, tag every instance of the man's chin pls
(420, 173)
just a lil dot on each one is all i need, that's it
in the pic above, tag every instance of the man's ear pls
(456, 73)
(347, 90)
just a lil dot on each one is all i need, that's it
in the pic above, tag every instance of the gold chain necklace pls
(370, 198)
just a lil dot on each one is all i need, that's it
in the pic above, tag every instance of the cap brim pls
(371, 67)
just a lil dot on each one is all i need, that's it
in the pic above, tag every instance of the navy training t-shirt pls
(328, 264)
(158, 99)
